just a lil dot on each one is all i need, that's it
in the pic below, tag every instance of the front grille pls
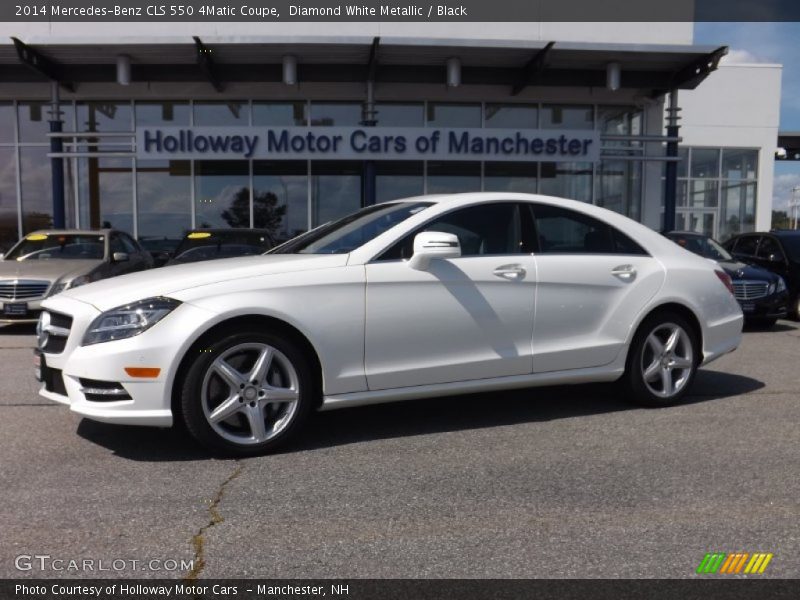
(57, 333)
(23, 289)
(750, 290)
(103, 391)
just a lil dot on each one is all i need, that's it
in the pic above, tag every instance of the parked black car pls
(160, 249)
(763, 295)
(209, 244)
(777, 251)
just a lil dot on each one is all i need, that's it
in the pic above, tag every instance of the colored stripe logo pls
(731, 564)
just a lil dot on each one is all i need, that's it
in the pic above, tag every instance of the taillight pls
(725, 279)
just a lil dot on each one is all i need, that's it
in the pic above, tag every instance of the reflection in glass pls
(699, 222)
(34, 120)
(280, 198)
(335, 190)
(7, 123)
(738, 209)
(166, 113)
(37, 192)
(620, 186)
(222, 193)
(106, 192)
(683, 165)
(567, 179)
(340, 114)
(453, 177)
(164, 206)
(511, 116)
(705, 162)
(391, 114)
(453, 115)
(8, 198)
(510, 177)
(400, 179)
(279, 114)
(222, 112)
(560, 116)
(105, 116)
(739, 163)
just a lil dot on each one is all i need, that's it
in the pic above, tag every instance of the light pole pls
(793, 205)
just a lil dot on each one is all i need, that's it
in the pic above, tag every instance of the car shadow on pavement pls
(416, 417)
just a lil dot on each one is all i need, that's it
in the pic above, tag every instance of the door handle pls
(624, 272)
(511, 272)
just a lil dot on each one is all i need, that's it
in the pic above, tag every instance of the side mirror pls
(433, 244)
(120, 257)
(775, 258)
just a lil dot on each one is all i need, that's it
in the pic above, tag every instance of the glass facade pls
(160, 199)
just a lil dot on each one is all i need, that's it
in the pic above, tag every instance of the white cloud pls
(782, 190)
(742, 56)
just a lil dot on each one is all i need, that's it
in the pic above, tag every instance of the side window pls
(116, 244)
(746, 246)
(769, 246)
(129, 245)
(562, 231)
(488, 229)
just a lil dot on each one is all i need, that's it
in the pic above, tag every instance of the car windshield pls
(205, 245)
(353, 231)
(704, 246)
(792, 245)
(54, 246)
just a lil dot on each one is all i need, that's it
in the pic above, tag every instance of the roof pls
(336, 59)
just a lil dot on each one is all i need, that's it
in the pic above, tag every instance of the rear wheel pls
(663, 360)
(247, 393)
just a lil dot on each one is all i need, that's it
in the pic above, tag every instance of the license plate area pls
(15, 309)
(748, 306)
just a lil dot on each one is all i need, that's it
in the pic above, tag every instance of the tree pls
(267, 214)
(781, 220)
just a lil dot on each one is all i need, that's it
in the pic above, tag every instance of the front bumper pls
(29, 315)
(162, 346)
(774, 306)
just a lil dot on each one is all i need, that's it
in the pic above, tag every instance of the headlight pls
(781, 287)
(128, 321)
(68, 285)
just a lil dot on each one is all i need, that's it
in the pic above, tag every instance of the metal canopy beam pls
(372, 65)
(40, 64)
(690, 77)
(206, 64)
(532, 71)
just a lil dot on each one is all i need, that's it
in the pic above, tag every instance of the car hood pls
(165, 281)
(50, 270)
(739, 270)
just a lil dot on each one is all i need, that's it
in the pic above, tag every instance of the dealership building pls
(170, 126)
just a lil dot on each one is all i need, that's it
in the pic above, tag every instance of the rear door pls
(592, 280)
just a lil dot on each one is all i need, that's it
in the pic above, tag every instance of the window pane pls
(279, 114)
(510, 177)
(739, 164)
(230, 112)
(453, 115)
(37, 193)
(620, 187)
(8, 198)
(453, 177)
(567, 180)
(702, 194)
(164, 202)
(483, 230)
(683, 165)
(769, 247)
(567, 117)
(619, 120)
(563, 231)
(34, 120)
(222, 193)
(106, 193)
(705, 162)
(165, 113)
(400, 115)
(738, 209)
(280, 198)
(511, 116)
(695, 221)
(105, 116)
(394, 180)
(335, 190)
(7, 122)
(341, 114)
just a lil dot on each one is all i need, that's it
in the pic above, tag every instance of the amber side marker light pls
(142, 371)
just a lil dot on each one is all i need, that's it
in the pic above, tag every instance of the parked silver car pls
(44, 263)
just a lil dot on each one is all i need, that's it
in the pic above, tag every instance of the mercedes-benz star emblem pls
(42, 329)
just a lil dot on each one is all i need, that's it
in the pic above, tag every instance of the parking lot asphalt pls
(548, 482)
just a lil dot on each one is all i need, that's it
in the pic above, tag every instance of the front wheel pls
(247, 393)
(663, 360)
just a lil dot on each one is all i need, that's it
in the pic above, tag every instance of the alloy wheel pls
(667, 360)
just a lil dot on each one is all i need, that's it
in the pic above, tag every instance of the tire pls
(795, 312)
(247, 393)
(654, 377)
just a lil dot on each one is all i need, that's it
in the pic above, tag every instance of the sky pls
(766, 43)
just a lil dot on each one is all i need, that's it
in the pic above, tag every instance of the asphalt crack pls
(198, 540)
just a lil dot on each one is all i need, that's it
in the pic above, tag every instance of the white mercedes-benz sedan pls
(415, 298)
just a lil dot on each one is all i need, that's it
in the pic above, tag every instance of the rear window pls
(204, 245)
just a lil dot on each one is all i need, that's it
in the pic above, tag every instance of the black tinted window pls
(768, 247)
(746, 245)
(481, 230)
(562, 231)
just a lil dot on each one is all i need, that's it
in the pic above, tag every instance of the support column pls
(671, 170)
(369, 119)
(57, 163)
